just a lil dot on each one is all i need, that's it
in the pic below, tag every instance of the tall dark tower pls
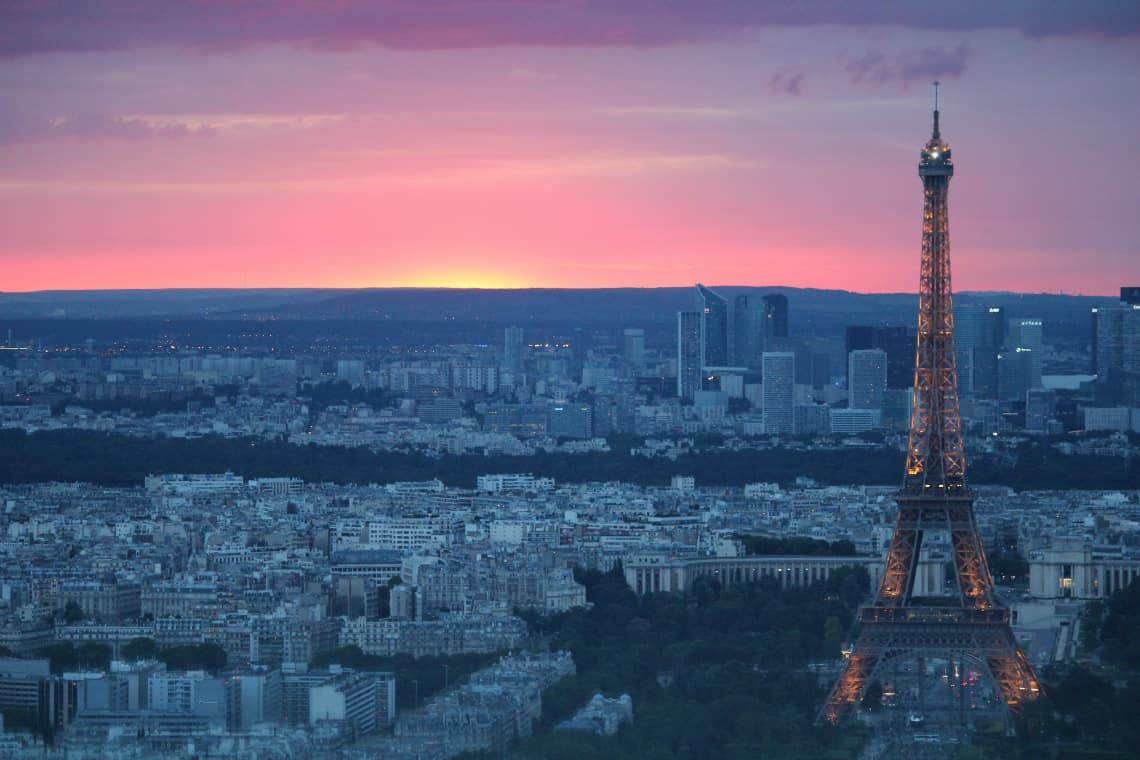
(776, 307)
(967, 625)
(714, 327)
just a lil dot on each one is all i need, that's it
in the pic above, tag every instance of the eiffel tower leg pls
(1013, 676)
(974, 581)
(850, 687)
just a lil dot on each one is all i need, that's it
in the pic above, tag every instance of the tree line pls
(117, 460)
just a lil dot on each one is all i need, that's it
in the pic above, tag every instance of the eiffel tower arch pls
(969, 624)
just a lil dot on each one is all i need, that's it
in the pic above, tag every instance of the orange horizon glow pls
(811, 269)
(569, 167)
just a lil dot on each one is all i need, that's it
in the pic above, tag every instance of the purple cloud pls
(37, 26)
(21, 127)
(875, 68)
(786, 82)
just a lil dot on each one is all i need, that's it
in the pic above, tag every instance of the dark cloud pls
(36, 26)
(786, 82)
(17, 127)
(876, 68)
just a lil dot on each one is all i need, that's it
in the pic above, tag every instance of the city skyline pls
(559, 146)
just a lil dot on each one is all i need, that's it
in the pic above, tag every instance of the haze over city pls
(553, 144)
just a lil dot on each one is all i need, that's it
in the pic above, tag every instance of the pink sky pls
(493, 153)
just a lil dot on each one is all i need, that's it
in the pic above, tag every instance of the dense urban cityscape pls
(253, 612)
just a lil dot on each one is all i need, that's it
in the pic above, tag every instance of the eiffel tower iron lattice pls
(969, 624)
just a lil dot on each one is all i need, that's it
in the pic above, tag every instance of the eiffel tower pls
(968, 625)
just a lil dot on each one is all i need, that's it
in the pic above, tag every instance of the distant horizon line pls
(316, 288)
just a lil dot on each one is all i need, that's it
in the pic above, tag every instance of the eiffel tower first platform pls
(969, 625)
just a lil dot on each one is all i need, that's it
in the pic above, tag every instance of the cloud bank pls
(41, 26)
(876, 68)
(16, 126)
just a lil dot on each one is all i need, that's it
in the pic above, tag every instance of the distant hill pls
(112, 304)
(810, 311)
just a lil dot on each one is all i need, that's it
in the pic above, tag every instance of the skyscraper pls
(1116, 350)
(714, 327)
(757, 322)
(688, 353)
(776, 312)
(896, 342)
(979, 334)
(856, 338)
(1025, 334)
(967, 331)
(867, 370)
(633, 346)
(779, 368)
(749, 323)
(513, 347)
(1017, 372)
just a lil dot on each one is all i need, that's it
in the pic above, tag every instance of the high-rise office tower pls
(633, 346)
(967, 327)
(896, 342)
(993, 328)
(1118, 337)
(965, 365)
(1116, 350)
(688, 353)
(1095, 325)
(977, 326)
(1017, 372)
(867, 370)
(1108, 338)
(856, 338)
(514, 346)
(579, 345)
(1025, 334)
(820, 371)
(905, 622)
(760, 323)
(979, 334)
(1130, 295)
(749, 326)
(776, 312)
(779, 368)
(714, 327)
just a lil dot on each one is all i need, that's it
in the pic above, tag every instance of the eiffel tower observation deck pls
(967, 626)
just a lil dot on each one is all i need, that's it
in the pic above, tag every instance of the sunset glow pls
(780, 155)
